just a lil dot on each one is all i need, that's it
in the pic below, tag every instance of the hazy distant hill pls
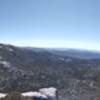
(75, 53)
(26, 69)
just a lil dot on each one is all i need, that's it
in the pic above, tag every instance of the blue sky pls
(51, 23)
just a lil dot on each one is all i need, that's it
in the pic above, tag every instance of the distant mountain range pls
(68, 52)
(75, 73)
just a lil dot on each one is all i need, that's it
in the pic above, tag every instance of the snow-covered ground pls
(33, 94)
(2, 95)
(43, 93)
(49, 91)
(5, 63)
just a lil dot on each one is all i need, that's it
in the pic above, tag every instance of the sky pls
(51, 23)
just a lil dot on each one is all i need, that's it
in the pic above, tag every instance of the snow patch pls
(33, 94)
(1, 47)
(51, 92)
(10, 49)
(2, 95)
(5, 63)
(46, 93)
(0, 57)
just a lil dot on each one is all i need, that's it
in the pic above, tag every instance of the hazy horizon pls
(53, 48)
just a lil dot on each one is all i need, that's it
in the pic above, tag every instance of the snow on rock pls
(1, 46)
(2, 95)
(42, 94)
(10, 49)
(33, 94)
(51, 92)
(5, 64)
(0, 57)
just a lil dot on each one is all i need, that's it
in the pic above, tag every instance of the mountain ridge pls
(22, 69)
(77, 53)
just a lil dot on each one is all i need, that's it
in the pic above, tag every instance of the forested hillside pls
(25, 70)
